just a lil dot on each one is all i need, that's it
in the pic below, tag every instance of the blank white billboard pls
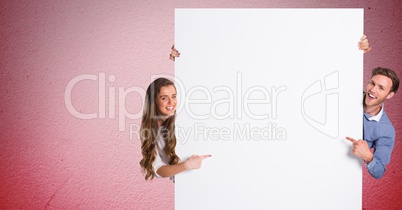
(271, 94)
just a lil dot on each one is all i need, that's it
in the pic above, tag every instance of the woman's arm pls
(194, 162)
(174, 54)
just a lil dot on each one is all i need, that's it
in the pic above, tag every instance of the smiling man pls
(378, 131)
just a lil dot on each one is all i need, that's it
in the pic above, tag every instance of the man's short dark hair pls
(388, 73)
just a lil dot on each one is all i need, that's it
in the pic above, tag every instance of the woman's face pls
(166, 101)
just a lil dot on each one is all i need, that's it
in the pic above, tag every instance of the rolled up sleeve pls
(382, 156)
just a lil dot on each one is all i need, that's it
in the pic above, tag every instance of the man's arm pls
(382, 156)
(375, 162)
(361, 149)
(364, 44)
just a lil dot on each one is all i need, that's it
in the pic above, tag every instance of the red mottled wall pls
(52, 159)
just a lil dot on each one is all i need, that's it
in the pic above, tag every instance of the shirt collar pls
(376, 117)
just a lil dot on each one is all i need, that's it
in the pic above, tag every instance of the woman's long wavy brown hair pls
(149, 129)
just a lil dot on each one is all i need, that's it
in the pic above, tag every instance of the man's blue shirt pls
(379, 135)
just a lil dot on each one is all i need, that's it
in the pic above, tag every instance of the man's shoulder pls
(385, 119)
(386, 124)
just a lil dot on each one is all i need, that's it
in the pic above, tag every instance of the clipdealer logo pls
(237, 104)
(325, 90)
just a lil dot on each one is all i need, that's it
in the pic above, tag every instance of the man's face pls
(378, 90)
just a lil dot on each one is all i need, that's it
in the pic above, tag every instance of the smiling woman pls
(158, 139)
(166, 101)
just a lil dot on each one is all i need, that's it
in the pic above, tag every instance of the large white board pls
(271, 95)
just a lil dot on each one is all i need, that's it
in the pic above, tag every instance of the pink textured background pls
(51, 159)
